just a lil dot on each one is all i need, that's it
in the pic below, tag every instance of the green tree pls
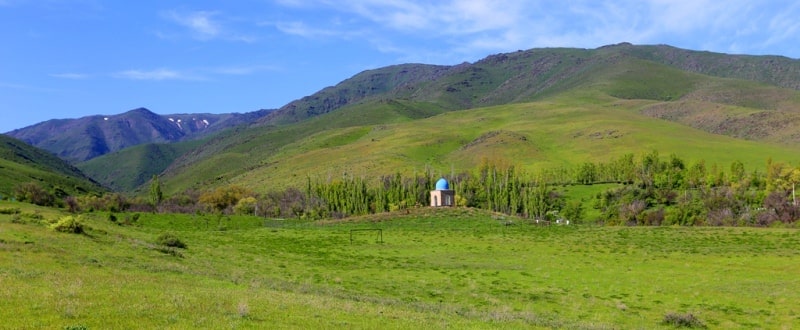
(155, 192)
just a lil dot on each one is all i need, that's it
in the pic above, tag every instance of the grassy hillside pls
(536, 108)
(535, 74)
(127, 169)
(563, 131)
(574, 106)
(446, 268)
(22, 163)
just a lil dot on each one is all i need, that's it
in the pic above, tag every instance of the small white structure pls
(443, 196)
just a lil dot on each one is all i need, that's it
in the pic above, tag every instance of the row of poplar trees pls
(650, 189)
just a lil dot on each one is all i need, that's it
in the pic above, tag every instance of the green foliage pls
(155, 192)
(33, 192)
(9, 210)
(68, 224)
(223, 197)
(109, 202)
(573, 211)
(647, 190)
(170, 240)
(246, 206)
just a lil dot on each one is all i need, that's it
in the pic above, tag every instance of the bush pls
(68, 224)
(9, 210)
(129, 220)
(687, 320)
(170, 240)
(32, 192)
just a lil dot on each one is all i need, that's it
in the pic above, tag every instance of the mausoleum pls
(443, 196)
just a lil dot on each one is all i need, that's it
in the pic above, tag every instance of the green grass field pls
(444, 268)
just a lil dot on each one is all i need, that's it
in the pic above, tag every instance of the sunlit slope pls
(599, 113)
(563, 131)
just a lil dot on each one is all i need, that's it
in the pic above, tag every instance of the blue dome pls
(442, 184)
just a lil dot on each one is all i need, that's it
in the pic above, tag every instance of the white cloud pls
(196, 74)
(200, 23)
(204, 26)
(243, 70)
(472, 28)
(303, 30)
(70, 75)
(157, 74)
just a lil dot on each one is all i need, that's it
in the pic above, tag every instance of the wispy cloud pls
(242, 70)
(199, 23)
(204, 26)
(24, 87)
(474, 27)
(70, 75)
(303, 30)
(196, 74)
(157, 74)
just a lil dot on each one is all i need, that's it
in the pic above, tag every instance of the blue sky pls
(74, 58)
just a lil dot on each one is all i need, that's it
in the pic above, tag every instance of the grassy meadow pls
(443, 268)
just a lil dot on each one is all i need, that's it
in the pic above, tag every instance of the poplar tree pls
(155, 192)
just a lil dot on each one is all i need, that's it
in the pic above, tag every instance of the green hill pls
(534, 108)
(558, 132)
(134, 166)
(534, 74)
(21, 163)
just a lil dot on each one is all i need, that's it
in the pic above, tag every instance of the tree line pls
(647, 190)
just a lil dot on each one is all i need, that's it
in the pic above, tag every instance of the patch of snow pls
(172, 120)
(105, 118)
(205, 121)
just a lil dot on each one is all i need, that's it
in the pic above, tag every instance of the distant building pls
(443, 196)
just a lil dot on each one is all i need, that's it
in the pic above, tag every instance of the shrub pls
(17, 219)
(32, 192)
(170, 240)
(9, 210)
(68, 224)
(246, 206)
(129, 220)
(687, 320)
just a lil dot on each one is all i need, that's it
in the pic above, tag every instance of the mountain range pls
(78, 140)
(536, 108)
